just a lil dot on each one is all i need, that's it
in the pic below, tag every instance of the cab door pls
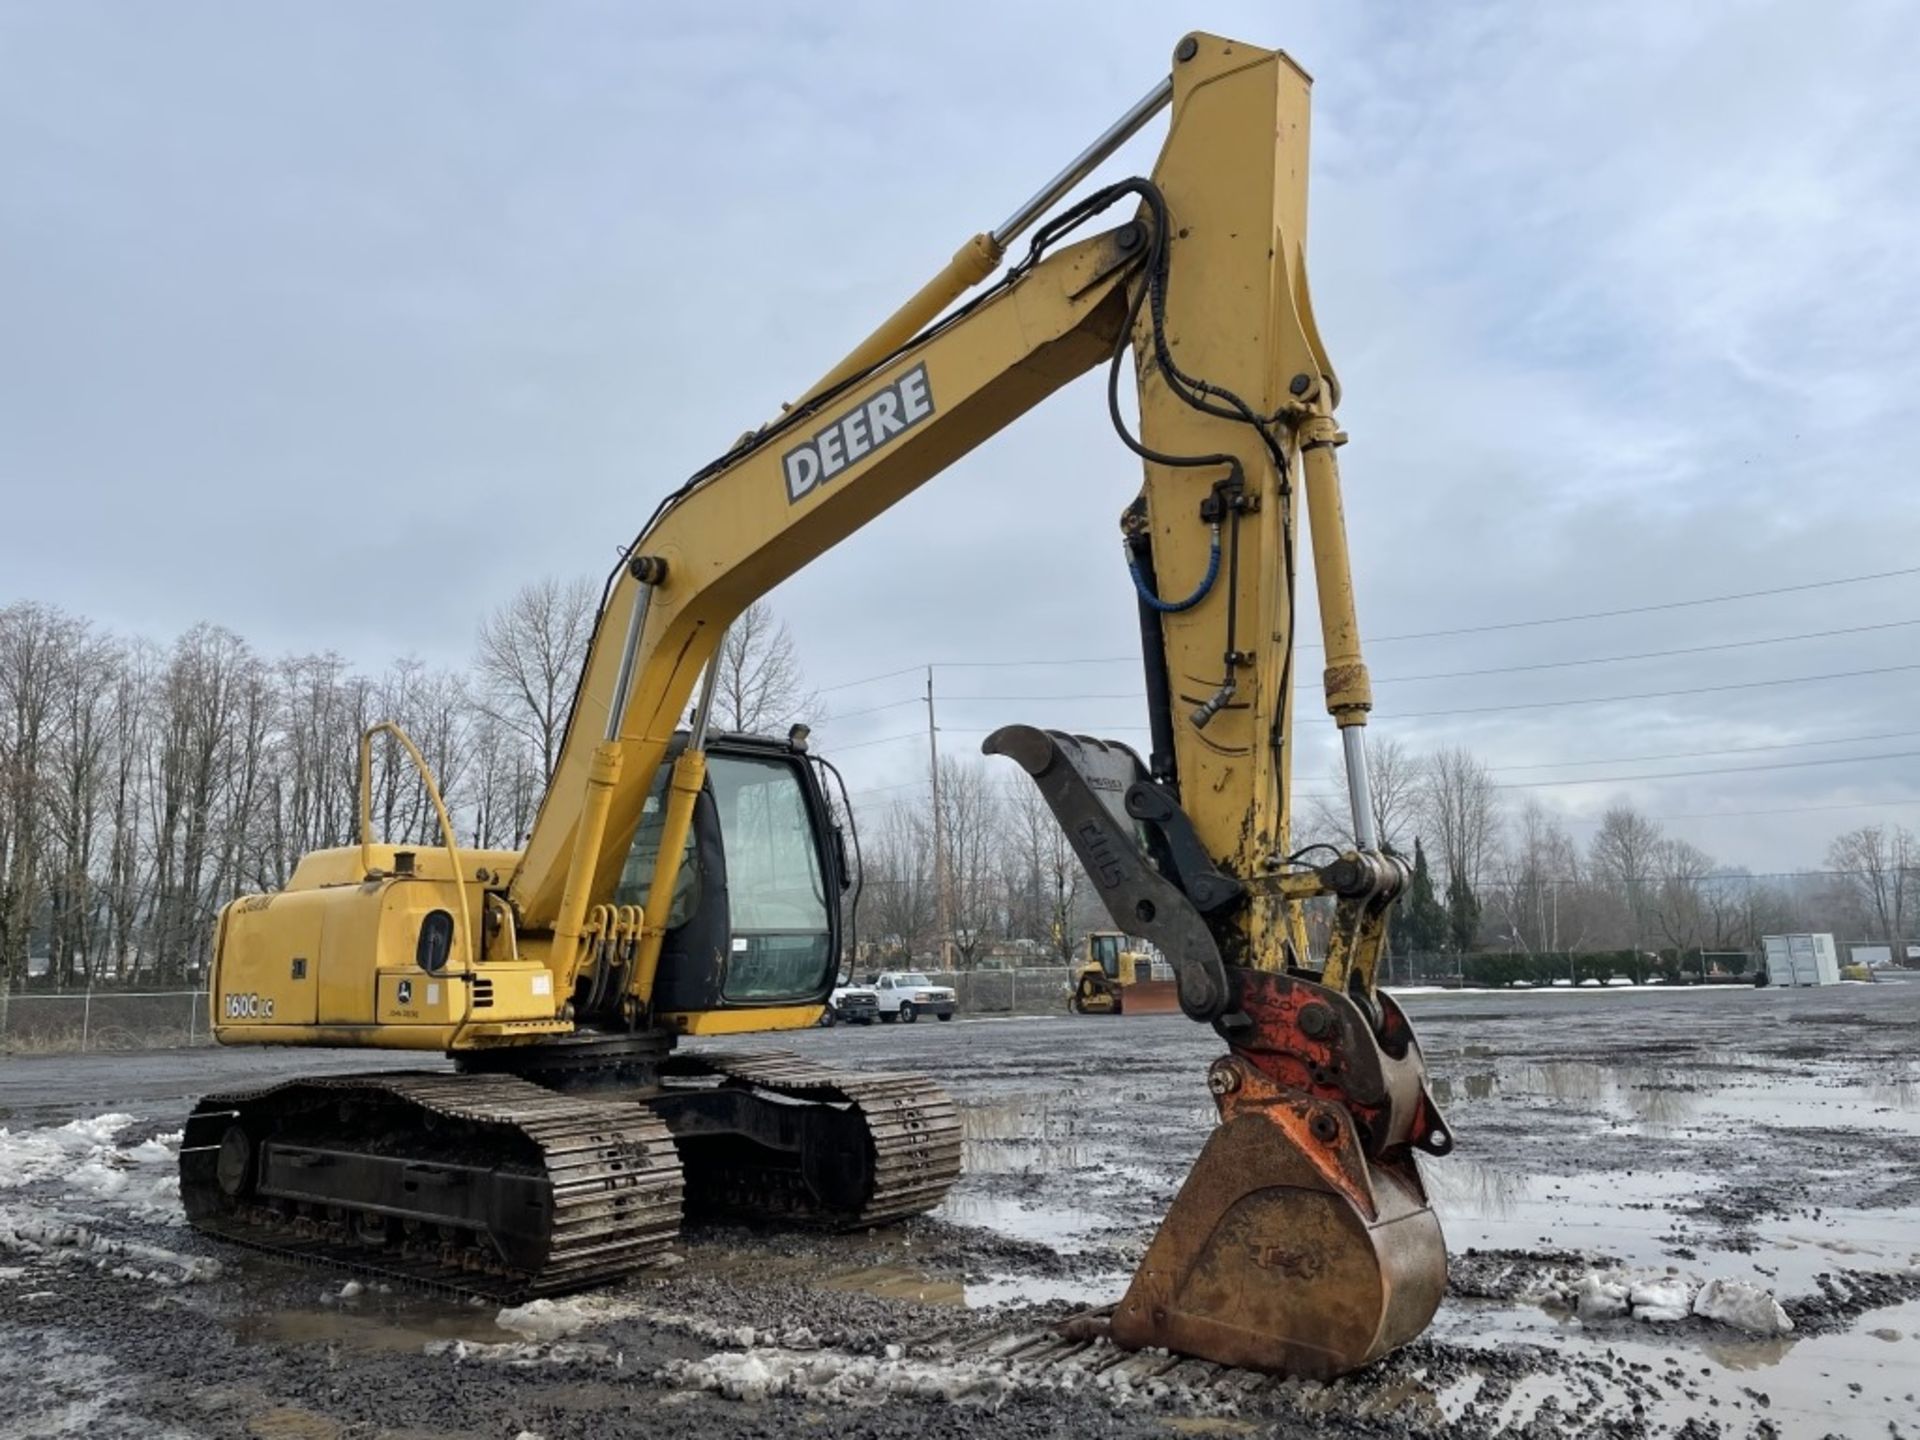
(755, 919)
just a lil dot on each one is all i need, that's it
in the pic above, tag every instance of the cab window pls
(775, 883)
(636, 877)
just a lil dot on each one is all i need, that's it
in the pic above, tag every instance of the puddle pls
(1020, 1135)
(1065, 1228)
(1851, 1383)
(898, 1282)
(1629, 1214)
(1641, 1217)
(396, 1325)
(1717, 1089)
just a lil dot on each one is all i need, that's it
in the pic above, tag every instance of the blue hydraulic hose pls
(1174, 607)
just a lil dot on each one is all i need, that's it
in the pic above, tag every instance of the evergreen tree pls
(1423, 921)
(1463, 914)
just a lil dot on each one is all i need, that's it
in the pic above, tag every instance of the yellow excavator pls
(679, 882)
(1114, 979)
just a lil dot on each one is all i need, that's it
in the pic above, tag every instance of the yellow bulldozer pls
(1113, 978)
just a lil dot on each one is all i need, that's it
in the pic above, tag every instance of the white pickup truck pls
(906, 995)
(851, 1005)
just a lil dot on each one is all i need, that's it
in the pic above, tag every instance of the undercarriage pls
(494, 1185)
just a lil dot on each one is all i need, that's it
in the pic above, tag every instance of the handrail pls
(439, 808)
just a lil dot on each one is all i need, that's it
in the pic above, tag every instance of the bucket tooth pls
(1288, 1250)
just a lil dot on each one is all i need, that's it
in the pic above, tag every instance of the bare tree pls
(1396, 778)
(760, 689)
(970, 822)
(898, 901)
(1538, 864)
(1046, 876)
(35, 648)
(531, 651)
(503, 788)
(79, 771)
(1460, 813)
(1679, 901)
(1877, 867)
(1624, 856)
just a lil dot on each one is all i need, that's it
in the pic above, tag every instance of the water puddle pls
(1065, 1228)
(1021, 1135)
(898, 1282)
(394, 1325)
(1710, 1091)
(1855, 1382)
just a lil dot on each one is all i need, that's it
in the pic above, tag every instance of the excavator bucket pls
(1300, 1243)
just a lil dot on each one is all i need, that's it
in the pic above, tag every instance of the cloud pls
(335, 325)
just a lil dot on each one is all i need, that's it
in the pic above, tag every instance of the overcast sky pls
(336, 323)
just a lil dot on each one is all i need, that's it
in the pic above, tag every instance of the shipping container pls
(1801, 960)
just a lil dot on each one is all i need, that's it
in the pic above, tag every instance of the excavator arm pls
(1303, 1240)
(1205, 260)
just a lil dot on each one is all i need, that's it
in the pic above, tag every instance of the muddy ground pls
(1760, 1136)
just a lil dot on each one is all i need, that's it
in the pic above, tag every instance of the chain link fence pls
(1041, 991)
(89, 1020)
(103, 1020)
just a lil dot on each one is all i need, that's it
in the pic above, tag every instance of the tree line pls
(1488, 877)
(1493, 877)
(143, 785)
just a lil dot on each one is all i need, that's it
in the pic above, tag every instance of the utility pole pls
(943, 898)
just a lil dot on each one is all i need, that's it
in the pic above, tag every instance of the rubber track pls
(913, 1123)
(614, 1169)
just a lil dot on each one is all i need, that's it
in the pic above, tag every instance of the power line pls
(1644, 609)
(1743, 814)
(1306, 685)
(1706, 754)
(874, 709)
(1647, 694)
(1720, 770)
(1435, 634)
(1592, 779)
(1648, 654)
(882, 740)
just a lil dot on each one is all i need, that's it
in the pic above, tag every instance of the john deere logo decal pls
(876, 421)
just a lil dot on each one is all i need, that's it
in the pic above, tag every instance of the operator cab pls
(755, 919)
(1106, 952)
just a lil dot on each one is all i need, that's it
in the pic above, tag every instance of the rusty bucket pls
(1302, 1242)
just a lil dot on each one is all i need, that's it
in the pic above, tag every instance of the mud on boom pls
(679, 882)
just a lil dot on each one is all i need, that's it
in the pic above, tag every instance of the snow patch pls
(1662, 1301)
(127, 1259)
(1595, 1298)
(81, 1155)
(523, 1355)
(1656, 1297)
(754, 1375)
(1743, 1306)
(547, 1320)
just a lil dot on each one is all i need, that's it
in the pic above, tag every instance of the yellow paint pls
(741, 1022)
(683, 788)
